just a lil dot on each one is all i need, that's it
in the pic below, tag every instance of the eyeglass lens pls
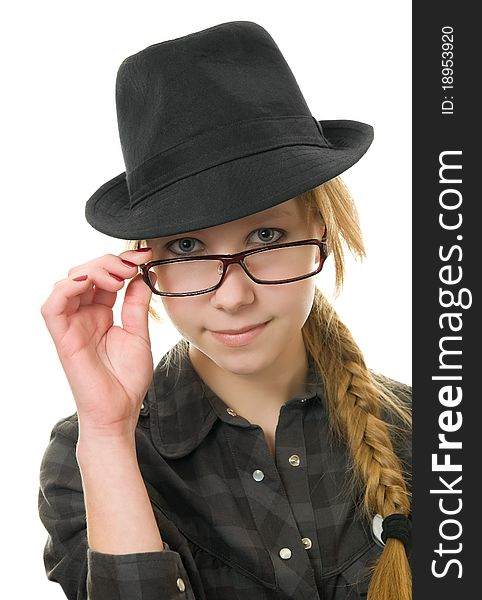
(278, 264)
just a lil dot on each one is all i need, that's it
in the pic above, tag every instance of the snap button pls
(285, 553)
(294, 460)
(306, 543)
(304, 399)
(180, 584)
(231, 412)
(258, 475)
(144, 410)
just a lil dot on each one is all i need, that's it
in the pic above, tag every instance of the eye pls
(185, 244)
(266, 234)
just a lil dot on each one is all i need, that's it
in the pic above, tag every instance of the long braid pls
(355, 397)
(354, 405)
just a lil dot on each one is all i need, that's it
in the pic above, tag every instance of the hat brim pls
(231, 190)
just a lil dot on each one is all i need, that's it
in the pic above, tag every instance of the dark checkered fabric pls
(237, 523)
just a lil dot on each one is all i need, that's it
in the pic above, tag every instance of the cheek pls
(306, 298)
(182, 312)
(292, 301)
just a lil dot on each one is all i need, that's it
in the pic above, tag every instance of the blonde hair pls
(355, 395)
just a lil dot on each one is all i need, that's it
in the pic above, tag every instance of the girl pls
(261, 457)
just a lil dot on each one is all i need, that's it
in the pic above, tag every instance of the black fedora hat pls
(213, 127)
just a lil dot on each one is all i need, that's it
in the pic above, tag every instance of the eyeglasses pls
(275, 264)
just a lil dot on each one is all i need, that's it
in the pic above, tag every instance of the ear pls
(319, 227)
(322, 231)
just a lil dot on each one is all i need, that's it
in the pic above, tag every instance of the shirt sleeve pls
(85, 574)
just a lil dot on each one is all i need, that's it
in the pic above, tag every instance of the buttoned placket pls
(282, 488)
(291, 464)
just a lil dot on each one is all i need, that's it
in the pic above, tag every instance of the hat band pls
(215, 147)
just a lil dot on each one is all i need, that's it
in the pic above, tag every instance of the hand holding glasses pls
(108, 367)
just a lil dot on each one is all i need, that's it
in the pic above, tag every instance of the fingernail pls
(80, 278)
(128, 263)
(116, 277)
(143, 249)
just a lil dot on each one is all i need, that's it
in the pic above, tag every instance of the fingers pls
(105, 277)
(119, 268)
(124, 265)
(135, 309)
(63, 301)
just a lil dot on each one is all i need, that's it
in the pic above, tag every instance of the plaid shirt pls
(236, 523)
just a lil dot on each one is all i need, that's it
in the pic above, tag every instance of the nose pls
(235, 290)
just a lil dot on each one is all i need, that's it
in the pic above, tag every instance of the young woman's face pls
(240, 302)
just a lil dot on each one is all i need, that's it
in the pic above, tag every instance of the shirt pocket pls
(353, 581)
(222, 581)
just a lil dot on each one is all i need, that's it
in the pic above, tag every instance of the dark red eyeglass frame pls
(229, 259)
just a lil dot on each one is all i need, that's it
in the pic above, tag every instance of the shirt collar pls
(182, 408)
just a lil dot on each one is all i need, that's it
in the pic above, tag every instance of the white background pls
(60, 143)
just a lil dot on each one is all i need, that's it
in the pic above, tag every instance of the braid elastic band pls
(398, 526)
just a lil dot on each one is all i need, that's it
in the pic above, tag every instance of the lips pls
(241, 337)
(237, 331)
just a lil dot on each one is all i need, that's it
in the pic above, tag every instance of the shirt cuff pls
(137, 576)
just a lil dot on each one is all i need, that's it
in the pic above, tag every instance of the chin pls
(246, 365)
(244, 360)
